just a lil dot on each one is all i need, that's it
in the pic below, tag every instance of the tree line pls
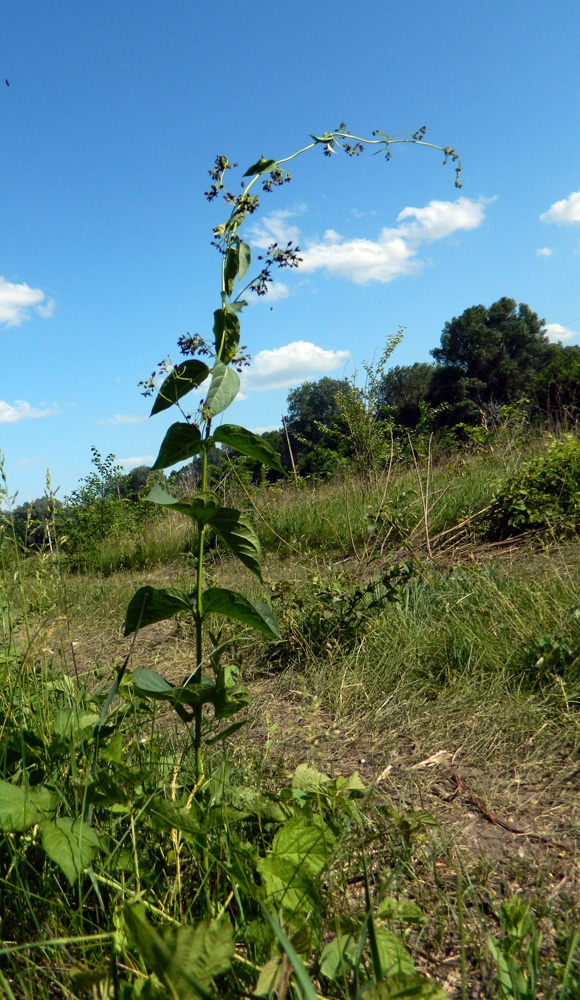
(488, 358)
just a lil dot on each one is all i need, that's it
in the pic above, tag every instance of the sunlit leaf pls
(249, 444)
(260, 167)
(151, 605)
(20, 807)
(150, 684)
(181, 441)
(220, 601)
(71, 844)
(186, 959)
(237, 533)
(225, 385)
(182, 380)
(226, 328)
(200, 507)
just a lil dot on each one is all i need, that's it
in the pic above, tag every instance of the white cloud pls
(544, 252)
(132, 463)
(394, 252)
(275, 229)
(121, 418)
(557, 333)
(17, 300)
(264, 430)
(22, 411)
(565, 212)
(47, 310)
(289, 365)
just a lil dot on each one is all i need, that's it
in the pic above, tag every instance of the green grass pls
(452, 686)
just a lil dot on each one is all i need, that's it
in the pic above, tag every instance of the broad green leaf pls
(70, 721)
(163, 814)
(405, 986)
(308, 779)
(249, 444)
(182, 380)
(260, 167)
(186, 959)
(403, 910)
(226, 328)
(181, 441)
(231, 266)
(225, 385)
(71, 844)
(221, 601)
(237, 533)
(335, 960)
(245, 259)
(237, 305)
(300, 851)
(200, 507)
(150, 684)
(21, 808)
(393, 953)
(151, 605)
(270, 976)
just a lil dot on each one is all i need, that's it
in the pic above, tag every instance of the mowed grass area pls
(453, 690)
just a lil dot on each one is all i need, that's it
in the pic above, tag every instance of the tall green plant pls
(217, 365)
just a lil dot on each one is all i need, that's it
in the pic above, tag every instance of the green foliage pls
(488, 356)
(543, 494)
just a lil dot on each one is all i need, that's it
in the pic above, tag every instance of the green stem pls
(199, 618)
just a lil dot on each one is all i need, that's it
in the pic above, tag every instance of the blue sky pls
(114, 114)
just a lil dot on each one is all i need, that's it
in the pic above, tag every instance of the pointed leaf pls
(232, 263)
(182, 380)
(150, 684)
(237, 533)
(249, 444)
(220, 601)
(225, 385)
(200, 507)
(186, 959)
(20, 808)
(151, 605)
(181, 441)
(226, 328)
(245, 259)
(260, 167)
(71, 844)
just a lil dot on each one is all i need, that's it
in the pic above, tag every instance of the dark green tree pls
(311, 407)
(557, 387)
(488, 356)
(401, 391)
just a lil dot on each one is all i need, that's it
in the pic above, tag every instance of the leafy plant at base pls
(195, 436)
(543, 494)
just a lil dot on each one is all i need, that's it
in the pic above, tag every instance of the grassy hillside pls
(403, 798)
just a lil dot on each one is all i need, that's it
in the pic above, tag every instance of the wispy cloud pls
(565, 212)
(121, 418)
(275, 228)
(558, 333)
(11, 414)
(544, 252)
(289, 365)
(16, 301)
(132, 463)
(392, 254)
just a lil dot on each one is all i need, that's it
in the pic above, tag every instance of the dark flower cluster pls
(217, 174)
(148, 384)
(195, 344)
(275, 255)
